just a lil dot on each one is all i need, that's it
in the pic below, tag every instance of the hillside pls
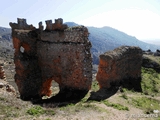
(5, 41)
(125, 104)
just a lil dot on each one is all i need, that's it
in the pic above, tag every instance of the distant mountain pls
(5, 33)
(102, 39)
(5, 39)
(107, 38)
(71, 24)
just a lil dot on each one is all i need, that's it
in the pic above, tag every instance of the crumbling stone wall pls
(57, 53)
(122, 66)
(2, 73)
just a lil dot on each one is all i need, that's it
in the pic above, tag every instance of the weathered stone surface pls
(121, 66)
(2, 74)
(58, 25)
(58, 53)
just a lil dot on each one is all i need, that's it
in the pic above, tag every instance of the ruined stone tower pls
(122, 66)
(57, 53)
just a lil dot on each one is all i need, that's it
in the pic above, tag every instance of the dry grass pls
(13, 108)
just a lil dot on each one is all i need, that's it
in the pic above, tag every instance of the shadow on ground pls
(63, 98)
(103, 94)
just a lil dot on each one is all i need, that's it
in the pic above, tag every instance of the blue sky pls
(139, 18)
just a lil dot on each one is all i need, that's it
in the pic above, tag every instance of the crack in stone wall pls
(57, 53)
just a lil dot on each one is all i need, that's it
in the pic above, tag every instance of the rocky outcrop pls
(157, 53)
(148, 62)
(120, 66)
(2, 74)
(149, 52)
(57, 53)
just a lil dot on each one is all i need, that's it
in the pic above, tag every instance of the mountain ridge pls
(107, 38)
(5, 40)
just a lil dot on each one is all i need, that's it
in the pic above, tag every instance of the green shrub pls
(37, 110)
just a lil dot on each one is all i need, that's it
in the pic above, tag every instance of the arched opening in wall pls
(54, 90)
(22, 49)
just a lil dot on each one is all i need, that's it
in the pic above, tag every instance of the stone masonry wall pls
(57, 53)
(122, 66)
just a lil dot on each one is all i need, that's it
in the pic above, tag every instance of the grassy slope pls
(116, 107)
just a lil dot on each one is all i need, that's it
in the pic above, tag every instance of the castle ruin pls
(120, 66)
(62, 54)
(57, 53)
